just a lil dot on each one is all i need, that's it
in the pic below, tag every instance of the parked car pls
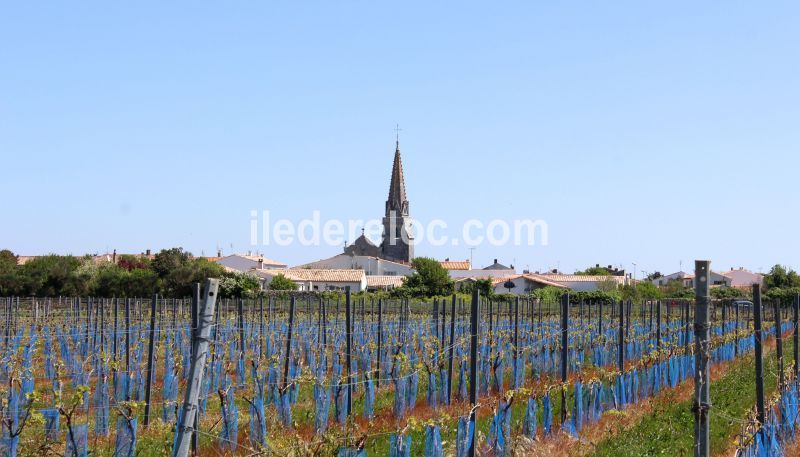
(743, 304)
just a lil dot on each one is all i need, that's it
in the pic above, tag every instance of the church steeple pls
(397, 187)
(398, 242)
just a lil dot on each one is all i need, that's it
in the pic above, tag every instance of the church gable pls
(363, 246)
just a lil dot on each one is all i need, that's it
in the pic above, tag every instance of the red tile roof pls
(384, 280)
(315, 274)
(455, 264)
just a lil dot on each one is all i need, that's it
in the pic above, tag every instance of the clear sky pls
(647, 132)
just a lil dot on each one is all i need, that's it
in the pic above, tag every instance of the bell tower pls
(398, 243)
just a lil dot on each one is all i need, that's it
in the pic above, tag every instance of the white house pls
(524, 284)
(383, 282)
(687, 279)
(370, 265)
(318, 280)
(585, 283)
(741, 278)
(247, 262)
(718, 279)
(480, 273)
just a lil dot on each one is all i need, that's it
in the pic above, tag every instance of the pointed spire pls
(397, 187)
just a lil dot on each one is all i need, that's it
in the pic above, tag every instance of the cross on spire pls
(397, 131)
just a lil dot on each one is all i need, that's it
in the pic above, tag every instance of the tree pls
(133, 262)
(675, 289)
(49, 276)
(727, 292)
(8, 261)
(782, 277)
(593, 271)
(9, 282)
(607, 285)
(595, 296)
(239, 285)
(653, 276)
(169, 260)
(648, 290)
(429, 279)
(549, 294)
(484, 286)
(641, 291)
(140, 283)
(171, 274)
(110, 281)
(281, 282)
(178, 281)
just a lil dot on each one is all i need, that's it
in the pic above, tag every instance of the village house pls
(743, 279)
(586, 283)
(456, 265)
(687, 279)
(383, 282)
(370, 264)
(317, 280)
(247, 262)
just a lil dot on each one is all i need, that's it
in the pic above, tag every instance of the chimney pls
(597, 265)
(495, 261)
(260, 264)
(114, 256)
(609, 267)
(447, 259)
(147, 253)
(526, 272)
(219, 252)
(511, 266)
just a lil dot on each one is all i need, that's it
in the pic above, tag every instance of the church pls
(398, 243)
(392, 258)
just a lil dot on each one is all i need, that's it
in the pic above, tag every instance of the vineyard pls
(334, 374)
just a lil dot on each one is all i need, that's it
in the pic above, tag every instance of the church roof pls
(363, 240)
(397, 187)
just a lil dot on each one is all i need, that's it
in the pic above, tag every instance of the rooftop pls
(255, 258)
(384, 281)
(455, 264)
(315, 274)
(581, 278)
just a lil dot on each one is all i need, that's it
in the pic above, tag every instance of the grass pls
(669, 428)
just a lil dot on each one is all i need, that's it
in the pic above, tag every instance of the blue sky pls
(647, 132)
